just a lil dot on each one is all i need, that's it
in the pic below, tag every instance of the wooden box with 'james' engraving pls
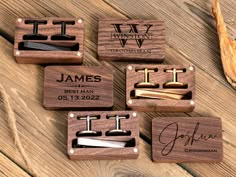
(78, 87)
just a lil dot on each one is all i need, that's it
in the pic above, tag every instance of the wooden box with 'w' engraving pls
(131, 40)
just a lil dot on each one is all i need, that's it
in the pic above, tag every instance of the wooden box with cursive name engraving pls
(78, 87)
(163, 88)
(187, 139)
(131, 40)
(49, 40)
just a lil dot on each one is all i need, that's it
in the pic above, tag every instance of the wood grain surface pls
(78, 87)
(9, 168)
(135, 40)
(183, 139)
(190, 39)
(49, 29)
(46, 140)
(159, 77)
(103, 125)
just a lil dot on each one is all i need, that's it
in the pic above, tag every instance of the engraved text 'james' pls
(79, 78)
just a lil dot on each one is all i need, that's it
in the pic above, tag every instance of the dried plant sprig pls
(12, 126)
(227, 45)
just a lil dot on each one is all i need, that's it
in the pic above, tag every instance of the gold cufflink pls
(174, 83)
(146, 83)
(117, 131)
(88, 131)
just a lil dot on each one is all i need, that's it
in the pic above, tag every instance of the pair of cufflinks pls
(171, 89)
(37, 36)
(105, 135)
(117, 131)
(170, 84)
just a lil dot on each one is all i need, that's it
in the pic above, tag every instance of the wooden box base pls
(158, 77)
(51, 50)
(103, 125)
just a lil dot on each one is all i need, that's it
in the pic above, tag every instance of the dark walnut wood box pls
(73, 49)
(131, 40)
(103, 125)
(160, 77)
(187, 139)
(78, 87)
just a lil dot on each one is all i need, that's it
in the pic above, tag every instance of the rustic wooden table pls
(190, 38)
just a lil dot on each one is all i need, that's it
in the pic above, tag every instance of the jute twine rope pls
(13, 128)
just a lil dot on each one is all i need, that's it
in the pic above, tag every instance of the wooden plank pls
(210, 100)
(9, 168)
(43, 133)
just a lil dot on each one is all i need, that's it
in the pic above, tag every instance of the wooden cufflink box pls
(164, 88)
(78, 87)
(135, 40)
(49, 40)
(103, 135)
(187, 139)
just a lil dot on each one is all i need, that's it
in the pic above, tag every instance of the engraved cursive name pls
(190, 138)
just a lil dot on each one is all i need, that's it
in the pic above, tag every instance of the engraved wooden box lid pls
(78, 87)
(187, 139)
(136, 40)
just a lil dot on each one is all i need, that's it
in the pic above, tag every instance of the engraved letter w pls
(132, 34)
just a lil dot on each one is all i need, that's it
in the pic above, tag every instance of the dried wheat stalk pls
(227, 45)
